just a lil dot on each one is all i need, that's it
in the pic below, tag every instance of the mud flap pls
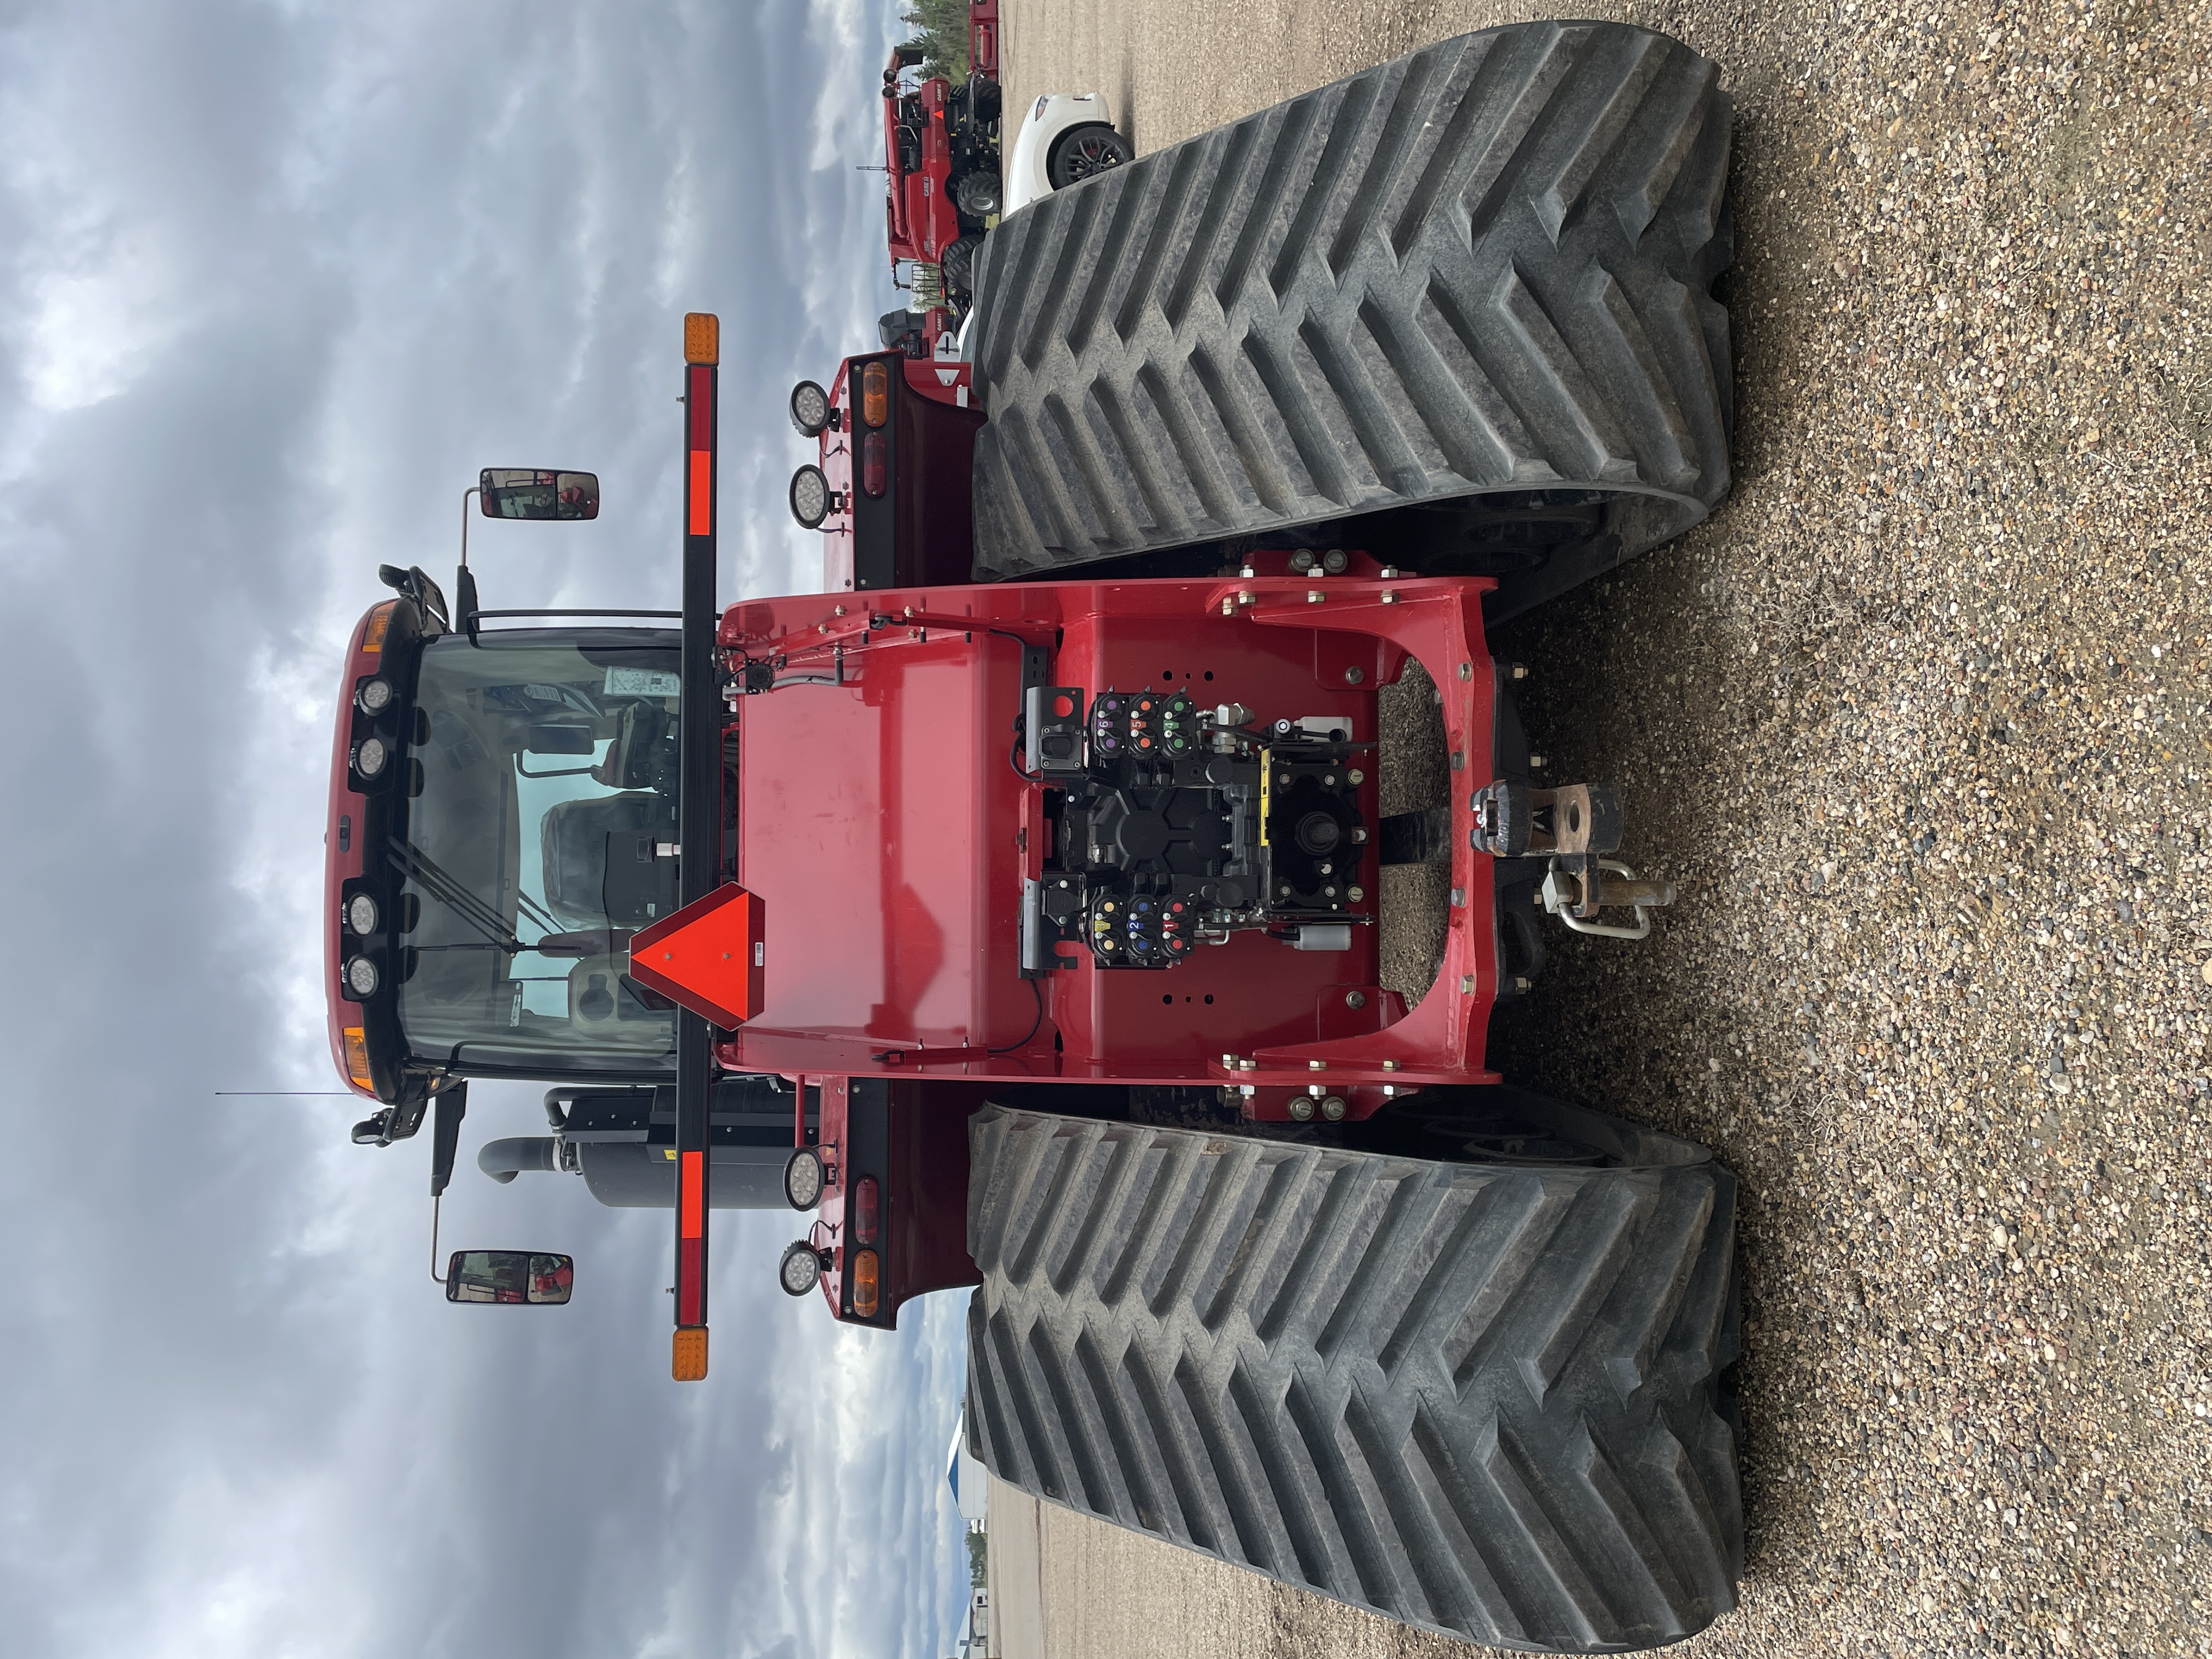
(1481, 1400)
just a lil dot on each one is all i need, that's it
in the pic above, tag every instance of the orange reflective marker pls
(703, 492)
(688, 1358)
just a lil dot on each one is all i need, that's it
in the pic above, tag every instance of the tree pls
(978, 1556)
(941, 31)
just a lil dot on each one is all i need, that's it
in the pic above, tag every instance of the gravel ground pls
(1918, 719)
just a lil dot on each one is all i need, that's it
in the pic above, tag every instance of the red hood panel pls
(864, 824)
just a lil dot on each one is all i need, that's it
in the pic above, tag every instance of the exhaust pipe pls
(502, 1160)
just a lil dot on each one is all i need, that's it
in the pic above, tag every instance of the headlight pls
(800, 1270)
(809, 409)
(361, 977)
(374, 696)
(361, 914)
(810, 496)
(803, 1180)
(370, 759)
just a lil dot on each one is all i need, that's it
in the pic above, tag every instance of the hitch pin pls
(1575, 898)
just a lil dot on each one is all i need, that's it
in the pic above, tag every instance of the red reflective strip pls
(703, 492)
(690, 1280)
(694, 1183)
(700, 405)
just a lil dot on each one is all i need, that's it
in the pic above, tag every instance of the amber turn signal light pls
(866, 1275)
(702, 338)
(875, 394)
(688, 1357)
(356, 1052)
(380, 624)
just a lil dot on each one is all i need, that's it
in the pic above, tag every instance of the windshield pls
(540, 842)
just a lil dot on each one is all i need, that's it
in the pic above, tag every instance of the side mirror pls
(519, 1277)
(510, 492)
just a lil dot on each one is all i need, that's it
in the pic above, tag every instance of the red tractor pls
(1011, 908)
(943, 186)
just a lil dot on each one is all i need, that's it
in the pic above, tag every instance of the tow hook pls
(1577, 825)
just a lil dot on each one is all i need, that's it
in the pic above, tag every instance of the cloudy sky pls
(275, 279)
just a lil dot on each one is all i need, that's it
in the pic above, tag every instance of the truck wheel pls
(1479, 272)
(1485, 1399)
(983, 97)
(977, 194)
(959, 264)
(1084, 153)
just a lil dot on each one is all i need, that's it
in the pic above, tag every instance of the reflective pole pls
(701, 827)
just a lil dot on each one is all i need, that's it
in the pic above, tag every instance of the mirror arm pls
(465, 582)
(436, 1276)
(473, 490)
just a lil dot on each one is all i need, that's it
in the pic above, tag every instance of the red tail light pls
(867, 1209)
(874, 463)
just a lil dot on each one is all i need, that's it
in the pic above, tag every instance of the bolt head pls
(1355, 999)
(1522, 982)
(1301, 1109)
(1332, 1107)
(1316, 1066)
(1355, 894)
(1354, 676)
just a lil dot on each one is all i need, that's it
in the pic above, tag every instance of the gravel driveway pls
(1918, 719)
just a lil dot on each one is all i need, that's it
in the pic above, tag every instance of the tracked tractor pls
(1010, 908)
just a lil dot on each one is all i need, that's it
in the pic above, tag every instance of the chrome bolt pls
(1301, 1109)
(1458, 897)
(1389, 599)
(1467, 671)
(1388, 573)
(1316, 1066)
(1354, 676)
(1390, 1065)
(1535, 762)
(1520, 670)
(1356, 776)
(1332, 1107)
(1466, 985)
(1522, 983)
(1355, 999)
(1355, 894)
(1315, 596)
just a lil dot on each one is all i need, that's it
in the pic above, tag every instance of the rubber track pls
(1480, 1401)
(1486, 267)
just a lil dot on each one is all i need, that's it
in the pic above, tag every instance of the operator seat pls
(598, 860)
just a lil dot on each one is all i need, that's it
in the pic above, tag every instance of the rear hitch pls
(1576, 825)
